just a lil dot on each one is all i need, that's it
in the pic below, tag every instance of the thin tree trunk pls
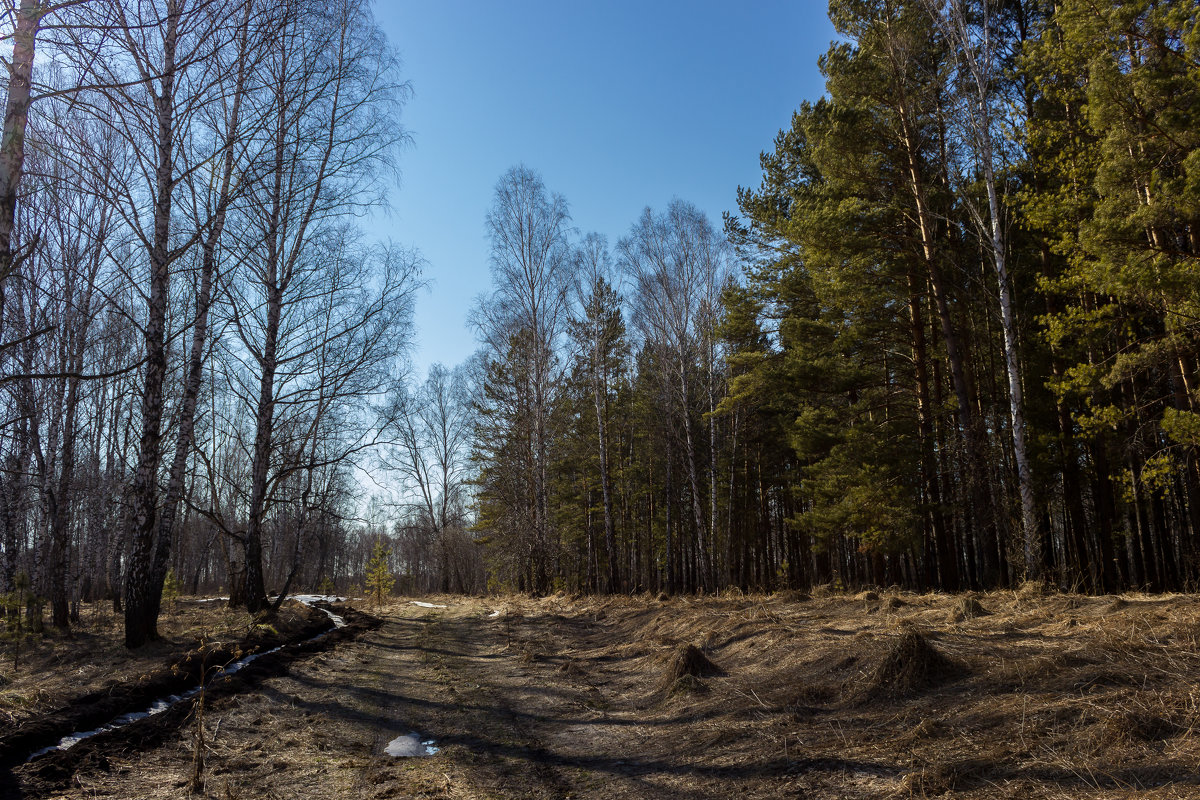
(140, 607)
(1030, 524)
(600, 401)
(195, 368)
(701, 560)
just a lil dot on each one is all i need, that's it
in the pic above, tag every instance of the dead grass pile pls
(690, 660)
(686, 669)
(1030, 590)
(969, 608)
(910, 664)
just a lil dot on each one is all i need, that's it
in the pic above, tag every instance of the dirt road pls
(555, 699)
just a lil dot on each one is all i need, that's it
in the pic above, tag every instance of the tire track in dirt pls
(587, 742)
(511, 721)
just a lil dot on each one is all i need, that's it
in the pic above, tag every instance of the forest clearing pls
(889, 694)
(689, 327)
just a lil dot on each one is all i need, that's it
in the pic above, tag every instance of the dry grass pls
(1017, 694)
(969, 608)
(1024, 693)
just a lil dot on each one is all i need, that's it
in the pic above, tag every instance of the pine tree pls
(379, 579)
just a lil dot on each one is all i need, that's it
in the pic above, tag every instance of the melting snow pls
(427, 605)
(495, 613)
(161, 705)
(411, 746)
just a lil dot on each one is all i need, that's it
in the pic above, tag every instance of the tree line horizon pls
(949, 342)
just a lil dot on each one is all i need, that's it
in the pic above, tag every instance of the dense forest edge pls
(950, 341)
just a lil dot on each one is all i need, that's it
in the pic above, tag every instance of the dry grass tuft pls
(1032, 589)
(686, 666)
(911, 663)
(969, 608)
(686, 684)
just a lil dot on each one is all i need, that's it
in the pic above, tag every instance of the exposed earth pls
(1010, 695)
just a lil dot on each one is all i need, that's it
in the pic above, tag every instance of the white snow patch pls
(411, 746)
(427, 605)
(495, 613)
(338, 622)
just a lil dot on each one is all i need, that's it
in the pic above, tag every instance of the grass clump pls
(910, 664)
(686, 669)
(969, 608)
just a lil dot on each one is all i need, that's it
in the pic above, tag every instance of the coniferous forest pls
(950, 341)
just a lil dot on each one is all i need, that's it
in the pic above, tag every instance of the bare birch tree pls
(530, 258)
(677, 263)
(332, 104)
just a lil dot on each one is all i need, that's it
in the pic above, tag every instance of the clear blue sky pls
(618, 105)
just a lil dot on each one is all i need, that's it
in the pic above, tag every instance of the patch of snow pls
(338, 622)
(411, 746)
(427, 605)
(495, 613)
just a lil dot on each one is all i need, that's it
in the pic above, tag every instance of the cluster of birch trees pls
(560, 440)
(196, 341)
(959, 348)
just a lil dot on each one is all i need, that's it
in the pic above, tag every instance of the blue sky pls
(617, 104)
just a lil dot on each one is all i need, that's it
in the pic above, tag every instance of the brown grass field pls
(1003, 695)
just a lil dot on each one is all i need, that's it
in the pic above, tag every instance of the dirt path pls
(512, 716)
(512, 710)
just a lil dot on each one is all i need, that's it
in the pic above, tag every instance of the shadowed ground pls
(897, 696)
